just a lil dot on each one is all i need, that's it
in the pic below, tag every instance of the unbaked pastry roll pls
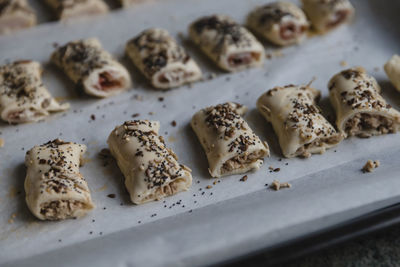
(165, 63)
(67, 9)
(15, 15)
(89, 65)
(326, 15)
(227, 43)
(230, 145)
(54, 187)
(360, 109)
(297, 120)
(282, 23)
(392, 69)
(23, 97)
(151, 170)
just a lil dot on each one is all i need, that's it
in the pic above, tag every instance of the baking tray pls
(201, 226)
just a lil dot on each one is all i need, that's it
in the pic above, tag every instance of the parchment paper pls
(201, 226)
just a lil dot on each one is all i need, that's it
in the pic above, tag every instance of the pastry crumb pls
(1, 142)
(343, 63)
(208, 186)
(276, 185)
(370, 165)
(244, 178)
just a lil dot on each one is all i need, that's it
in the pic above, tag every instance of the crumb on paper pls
(343, 63)
(208, 186)
(12, 217)
(1, 142)
(371, 165)
(244, 178)
(276, 185)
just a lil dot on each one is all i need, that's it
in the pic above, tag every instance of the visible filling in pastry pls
(241, 161)
(60, 209)
(366, 125)
(306, 150)
(174, 76)
(107, 82)
(290, 30)
(337, 18)
(23, 115)
(14, 23)
(168, 189)
(245, 58)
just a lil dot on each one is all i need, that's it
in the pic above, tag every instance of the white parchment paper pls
(201, 226)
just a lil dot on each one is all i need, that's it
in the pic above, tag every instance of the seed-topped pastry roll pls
(230, 145)
(15, 15)
(360, 109)
(151, 170)
(165, 63)
(326, 15)
(297, 120)
(23, 97)
(227, 43)
(54, 187)
(67, 9)
(392, 69)
(282, 23)
(89, 65)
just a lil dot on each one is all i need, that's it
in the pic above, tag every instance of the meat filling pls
(60, 209)
(245, 58)
(107, 82)
(290, 31)
(304, 151)
(167, 189)
(174, 76)
(241, 161)
(366, 125)
(339, 17)
(24, 115)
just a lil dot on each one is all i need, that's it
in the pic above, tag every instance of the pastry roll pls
(227, 43)
(86, 63)
(297, 120)
(23, 97)
(15, 15)
(165, 63)
(282, 23)
(54, 187)
(360, 109)
(67, 9)
(325, 15)
(392, 69)
(230, 145)
(151, 170)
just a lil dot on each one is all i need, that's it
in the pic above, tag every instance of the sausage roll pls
(360, 109)
(230, 145)
(227, 43)
(151, 169)
(23, 97)
(297, 120)
(282, 23)
(165, 63)
(54, 187)
(326, 15)
(392, 69)
(89, 65)
(15, 15)
(67, 9)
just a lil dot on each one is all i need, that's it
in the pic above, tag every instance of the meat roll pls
(282, 23)
(23, 97)
(392, 69)
(326, 15)
(15, 15)
(227, 43)
(151, 170)
(67, 9)
(230, 145)
(55, 190)
(297, 120)
(165, 63)
(89, 65)
(360, 109)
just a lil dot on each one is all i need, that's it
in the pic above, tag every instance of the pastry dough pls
(297, 121)
(54, 187)
(230, 145)
(15, 15)
(151, 169)
(165, 63)
(227, 43)
(360, 109)
(88, 64)
(67, 9)
(129, 3)
(23, 97)
(282, 23)
(326, 15)
(392, 69)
